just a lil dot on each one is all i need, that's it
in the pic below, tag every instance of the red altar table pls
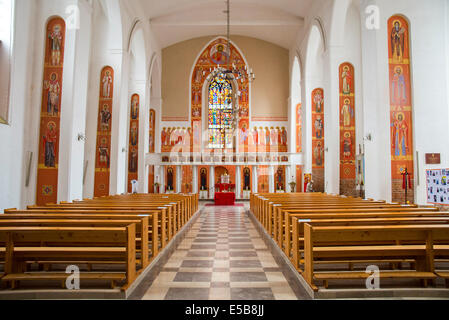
(224, 198)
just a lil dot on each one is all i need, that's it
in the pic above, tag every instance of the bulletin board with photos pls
(438, 186)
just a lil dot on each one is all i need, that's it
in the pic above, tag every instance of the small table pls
(224, 198)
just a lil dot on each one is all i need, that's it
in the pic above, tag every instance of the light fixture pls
(369, 137)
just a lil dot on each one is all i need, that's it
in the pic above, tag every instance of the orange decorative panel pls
(47, 172)
(347, 123)
(401, 109)
(103, 149)
(298, 116)
(152, 131)
(133, 147)
(318, 128)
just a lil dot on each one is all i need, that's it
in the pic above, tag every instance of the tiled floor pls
(222, 257)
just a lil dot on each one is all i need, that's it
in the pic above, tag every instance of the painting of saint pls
(134, 134)
(55, 45)
(54, 89)
(255, 136)
(347, 145)
(273, 137)
(318, 154)
(105, 118)
(133, 160)
(170, 179)
(347, 80)
(103, 150)
(246, 179)
(151, 142)
(219, 54)
(397, 41)
(50, 139)
(398, 90)
(203, 179)
(280, 179)
(267, 136)
(135, 107)
(199, 75)
(348, 113)
(243, 135)
(284, 137)
(196, 96)
(400, 135)
(318, 127)
(163, 137)
(318, 100)
(107, 82)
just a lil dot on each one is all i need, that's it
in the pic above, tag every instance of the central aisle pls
(222, 257)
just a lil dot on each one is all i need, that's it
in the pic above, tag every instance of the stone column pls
(238, 183)
(211, 182)
(178, 179)
(162, 179)
(195, 179)
(271, 187)
(254, 178)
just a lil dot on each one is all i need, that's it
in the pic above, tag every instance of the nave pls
(222, 257)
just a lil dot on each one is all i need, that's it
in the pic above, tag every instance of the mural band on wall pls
(47, 173)
(400, 106)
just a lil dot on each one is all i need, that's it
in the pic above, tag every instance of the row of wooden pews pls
(110, 239)
(331, 239)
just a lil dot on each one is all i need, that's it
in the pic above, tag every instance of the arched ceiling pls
(276, 21)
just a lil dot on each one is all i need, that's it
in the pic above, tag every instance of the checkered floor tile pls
(222, 257)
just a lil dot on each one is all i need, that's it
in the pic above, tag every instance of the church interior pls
(224, 149)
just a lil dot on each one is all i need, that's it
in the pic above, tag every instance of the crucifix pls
(406, 182)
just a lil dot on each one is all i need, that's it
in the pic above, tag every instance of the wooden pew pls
(317, 242)
(298, 228)
(284, 224)
(23, 243)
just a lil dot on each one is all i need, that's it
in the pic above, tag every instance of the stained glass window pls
(221, 124)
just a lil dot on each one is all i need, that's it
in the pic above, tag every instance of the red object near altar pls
(222, 187)
(224, 198)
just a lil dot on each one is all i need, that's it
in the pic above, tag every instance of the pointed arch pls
(213, 54)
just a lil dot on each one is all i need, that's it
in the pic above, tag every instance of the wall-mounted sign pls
(433, 158)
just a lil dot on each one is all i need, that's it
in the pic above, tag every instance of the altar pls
(224, 192)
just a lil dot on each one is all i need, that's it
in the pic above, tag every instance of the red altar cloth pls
(224, 198)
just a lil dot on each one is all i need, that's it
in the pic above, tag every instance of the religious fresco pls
(103, 148)
(279, 178)
(244, 135)
(401, 124)
(152, 129)
(215, 54)
(133, 146)
(48, 157)
(176, 139)
(347, 123)
(298, 120)
(170, 179)
(318, 129)
(246, 173)
(203, 179)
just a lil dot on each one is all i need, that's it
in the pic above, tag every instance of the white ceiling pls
(276, 21)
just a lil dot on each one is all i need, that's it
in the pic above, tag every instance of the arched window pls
(221, 122)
